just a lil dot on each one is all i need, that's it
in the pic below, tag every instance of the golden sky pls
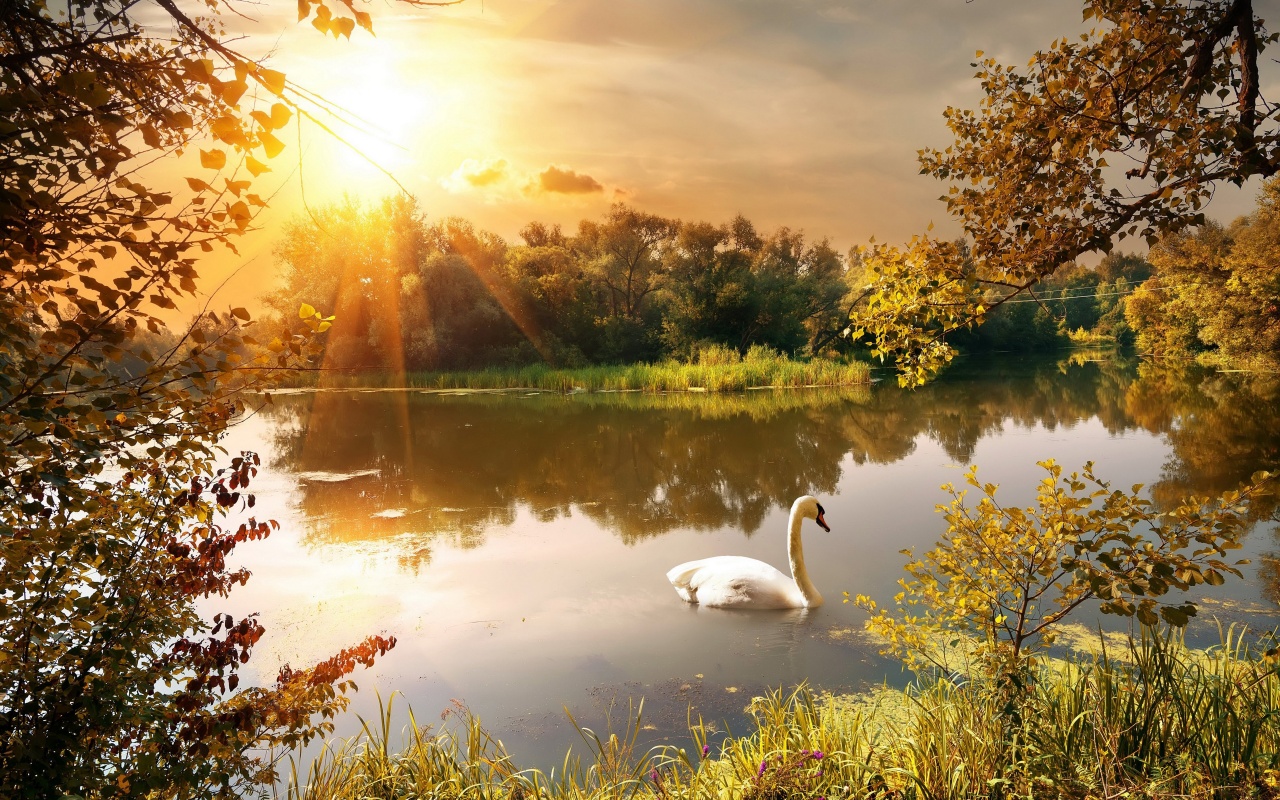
(806, 113)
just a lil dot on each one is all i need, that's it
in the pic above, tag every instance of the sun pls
(379, 111)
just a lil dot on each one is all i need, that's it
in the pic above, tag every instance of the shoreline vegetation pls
(713, 369)
(1148, 718)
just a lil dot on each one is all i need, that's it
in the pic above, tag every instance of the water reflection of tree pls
(637, 465)
(983, 397)
(642, 465)
(1221, 427)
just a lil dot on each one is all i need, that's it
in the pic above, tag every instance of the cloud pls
(477, 174)
(566, 181)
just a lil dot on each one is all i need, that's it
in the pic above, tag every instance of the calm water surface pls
(517, 544)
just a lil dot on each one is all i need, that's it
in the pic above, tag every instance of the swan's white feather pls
(735, 581)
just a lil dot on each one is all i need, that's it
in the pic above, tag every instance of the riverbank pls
(1149, 719)
(712, 370)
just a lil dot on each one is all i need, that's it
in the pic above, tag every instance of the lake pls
(516, 544)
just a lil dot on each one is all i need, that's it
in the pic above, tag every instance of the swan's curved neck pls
(795, 554)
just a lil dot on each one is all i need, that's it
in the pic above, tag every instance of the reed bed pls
(1164, 721)
(715, 369)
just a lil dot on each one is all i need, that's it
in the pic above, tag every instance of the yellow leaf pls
(272, 79)
(226, 128)
(255, 166)
(239, 210)
(280, 115)
(213, 159)
(197, 185)
(233, 91)
(270, 144)
(307, 310)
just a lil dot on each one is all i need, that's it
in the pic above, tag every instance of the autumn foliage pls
(996, 589)
(1122, 132)
(114, 518)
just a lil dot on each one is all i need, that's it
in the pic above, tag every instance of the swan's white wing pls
(734, 581)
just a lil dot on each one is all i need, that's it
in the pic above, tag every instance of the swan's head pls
(809, 506)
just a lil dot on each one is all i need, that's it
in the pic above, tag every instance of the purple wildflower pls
(818, 754)
(763, 765)
(653, 775)
(706, 748)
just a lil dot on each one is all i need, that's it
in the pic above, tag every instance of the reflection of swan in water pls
(739, 582)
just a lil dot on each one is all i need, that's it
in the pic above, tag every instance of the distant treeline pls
(1211, 294)
(1077, 304)
(631, 287)
(635, 287)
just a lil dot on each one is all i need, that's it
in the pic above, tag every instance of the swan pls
(740, 582)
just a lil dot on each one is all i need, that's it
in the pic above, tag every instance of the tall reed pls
(1161, 721)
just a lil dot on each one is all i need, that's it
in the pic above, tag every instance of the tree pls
(354, 261)
(730, 285)
(711, 285)
(1161, 309)
(626, 252)
(1168, 90)
(463, 310)
(799, 289)
(556, 294)
(1129, 266)
(112, 516)
(1216, 291)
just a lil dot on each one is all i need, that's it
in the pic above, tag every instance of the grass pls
(1083, 338)
(1163, 721)
(713, 369)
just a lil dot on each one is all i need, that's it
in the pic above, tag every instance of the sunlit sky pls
(806, 114)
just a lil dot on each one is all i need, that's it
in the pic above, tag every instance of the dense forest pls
(630, 287)
(637, 287)
(1077, 305)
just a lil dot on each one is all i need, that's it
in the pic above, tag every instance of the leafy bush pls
(1010, 576)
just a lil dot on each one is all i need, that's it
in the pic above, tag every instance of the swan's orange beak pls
(823, 522)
